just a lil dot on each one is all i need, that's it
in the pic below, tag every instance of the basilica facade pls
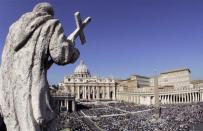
(83, 86)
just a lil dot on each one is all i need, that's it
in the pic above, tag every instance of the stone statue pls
(34, 42)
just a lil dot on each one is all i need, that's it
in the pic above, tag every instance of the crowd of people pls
(130, 107)
(142, 118)
(173, 118)
(73, 120)
(101, 112)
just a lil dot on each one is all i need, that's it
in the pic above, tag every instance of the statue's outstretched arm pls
(62, 51)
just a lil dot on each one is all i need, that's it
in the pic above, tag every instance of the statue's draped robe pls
(31, 42)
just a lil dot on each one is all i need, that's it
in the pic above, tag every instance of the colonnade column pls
(186, 98)
(178, 98)
(175, 99)
(164, 99)
(107, 93)
(103, 93)
(195, 96)
(200, 96)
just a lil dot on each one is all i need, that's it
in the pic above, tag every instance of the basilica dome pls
(81, 70)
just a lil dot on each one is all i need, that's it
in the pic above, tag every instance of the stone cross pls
(80, 26)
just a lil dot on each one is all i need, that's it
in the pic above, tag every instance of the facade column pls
(89, 91)
(78, 92)
(73, 105)
(103, 93)
(66, 101)
(72, 90)
(98, 90)
(83, 92)
(133, 98)
(93, 97)
(138, 99)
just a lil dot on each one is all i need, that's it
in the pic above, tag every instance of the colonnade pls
(64, 103)
(94, 92)
(165, 98)
(132, 98)
(180, 98)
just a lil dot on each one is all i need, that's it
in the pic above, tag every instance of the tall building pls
(174, 87)
(177, 78)
(134, 82)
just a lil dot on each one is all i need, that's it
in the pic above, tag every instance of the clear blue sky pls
(126, 36)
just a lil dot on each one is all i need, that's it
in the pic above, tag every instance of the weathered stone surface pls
(34, 42)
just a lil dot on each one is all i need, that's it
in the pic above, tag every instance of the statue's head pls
(44, 8)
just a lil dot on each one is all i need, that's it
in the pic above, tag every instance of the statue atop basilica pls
(34, 42)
